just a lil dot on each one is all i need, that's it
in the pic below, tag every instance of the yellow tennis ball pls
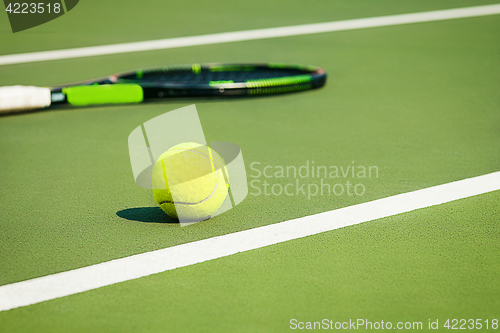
(189, 181)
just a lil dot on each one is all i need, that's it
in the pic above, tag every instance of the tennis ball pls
(189, 181)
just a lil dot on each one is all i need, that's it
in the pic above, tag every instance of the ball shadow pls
(146, 214)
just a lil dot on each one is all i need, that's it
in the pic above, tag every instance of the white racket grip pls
(19, 98)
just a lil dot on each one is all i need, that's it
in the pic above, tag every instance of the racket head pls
(222, 79)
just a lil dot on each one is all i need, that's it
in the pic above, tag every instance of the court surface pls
(417, 104)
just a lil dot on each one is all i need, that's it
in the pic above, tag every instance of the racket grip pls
(104, 94)
(20, 98)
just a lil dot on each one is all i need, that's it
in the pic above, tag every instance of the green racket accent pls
(297, 79)
(216, 83)
(104, 94)
(196, 68)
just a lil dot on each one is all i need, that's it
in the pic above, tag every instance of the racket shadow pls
(176, 100)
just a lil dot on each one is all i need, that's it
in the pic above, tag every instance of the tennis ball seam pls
(214, 168)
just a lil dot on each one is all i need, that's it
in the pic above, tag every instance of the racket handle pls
(20, 98)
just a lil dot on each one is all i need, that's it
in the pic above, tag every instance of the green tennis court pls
(414, 105)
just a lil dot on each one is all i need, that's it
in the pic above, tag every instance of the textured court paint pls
(434, 124)
(92, 211)
(433, 263)
(227, 37)
(120, 270)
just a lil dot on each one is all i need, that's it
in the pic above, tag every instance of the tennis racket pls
(194, 80)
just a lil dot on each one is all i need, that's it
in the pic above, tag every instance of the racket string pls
(207, 76)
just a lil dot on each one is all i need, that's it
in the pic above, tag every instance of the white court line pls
(237, 36)
(87, 278)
